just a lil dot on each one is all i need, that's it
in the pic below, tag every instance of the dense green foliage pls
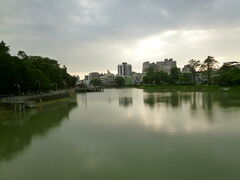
(208, 66)
(228, 76)
(119, 81)
(199, 73)
(194, 65)
(31, 73)
(156, 77)
(96, 82)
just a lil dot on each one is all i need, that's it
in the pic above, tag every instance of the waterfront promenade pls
(22, 102)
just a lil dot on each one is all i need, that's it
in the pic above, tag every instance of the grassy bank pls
(190, 88)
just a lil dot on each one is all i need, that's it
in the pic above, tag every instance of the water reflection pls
(17, 131)
(196, 100)
(125, 101)
(196, 135)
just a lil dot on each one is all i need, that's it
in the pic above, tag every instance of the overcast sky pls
(96, 35)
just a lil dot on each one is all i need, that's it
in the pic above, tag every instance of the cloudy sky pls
(96, 35)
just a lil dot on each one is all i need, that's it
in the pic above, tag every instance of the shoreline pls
(39, 100)
(190, 88)
(183, 88)
(6, 110)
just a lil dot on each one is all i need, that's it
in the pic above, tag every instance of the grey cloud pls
(92, 34)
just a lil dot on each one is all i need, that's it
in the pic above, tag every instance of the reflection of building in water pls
(83, 99)
(17, 131)
(125, 101)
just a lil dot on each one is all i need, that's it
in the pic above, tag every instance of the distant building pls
(86, 80)
(108, 78)
(124, 69)
(94, 75)
(147, 65)
(232, 64)
(137, 78)
(165, 65)
(201, 78)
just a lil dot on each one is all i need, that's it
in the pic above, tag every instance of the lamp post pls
(39, 86)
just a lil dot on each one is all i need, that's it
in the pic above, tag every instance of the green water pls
(124, 134)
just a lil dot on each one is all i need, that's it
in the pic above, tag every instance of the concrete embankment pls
(22, 102)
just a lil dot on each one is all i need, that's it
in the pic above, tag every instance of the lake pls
(124, 134)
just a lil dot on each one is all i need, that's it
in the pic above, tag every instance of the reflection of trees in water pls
(171, 99)
(228, 100)
(125, 101)
(17, 130)
(196, 100)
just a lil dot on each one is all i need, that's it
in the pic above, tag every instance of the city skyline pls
(94, 36)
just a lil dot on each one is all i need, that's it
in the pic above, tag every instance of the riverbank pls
(6, 110)
(21, 102)
(190, 88)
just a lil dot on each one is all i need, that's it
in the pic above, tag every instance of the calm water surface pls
(124, 134)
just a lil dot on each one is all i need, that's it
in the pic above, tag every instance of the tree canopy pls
(96, 82)
(31, 71)
(208, 66)
(119, 81)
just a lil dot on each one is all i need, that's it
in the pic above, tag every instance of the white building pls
(165, 65)
(108, 78)
(124, 69)
(232, 64)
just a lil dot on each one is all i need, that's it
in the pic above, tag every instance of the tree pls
(208, 66)
(185, 78)
(147, 80)
(3, 48)
(194, 65)
(96, 82)
(156, 77)
(22, 55)
(119, 81)
(228, 76)
(174, 75)
(29, 72)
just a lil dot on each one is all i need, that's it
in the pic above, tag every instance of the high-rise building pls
(124, 69)
(165, 65)
(147, 65)
(94, 75)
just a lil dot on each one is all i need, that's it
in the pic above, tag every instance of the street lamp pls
(39, 86)
(19, 88)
